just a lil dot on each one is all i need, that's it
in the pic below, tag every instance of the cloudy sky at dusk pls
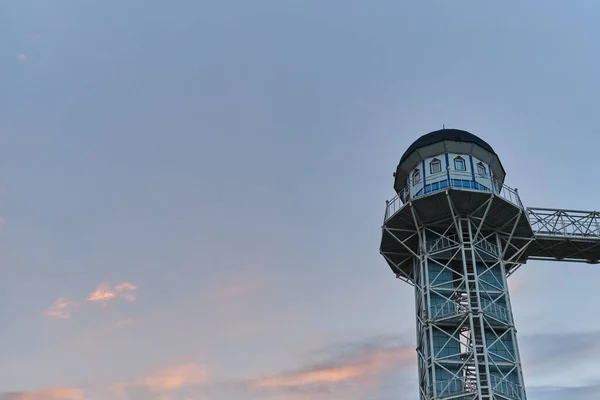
(192, 191)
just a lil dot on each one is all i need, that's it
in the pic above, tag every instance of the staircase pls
(475, 373)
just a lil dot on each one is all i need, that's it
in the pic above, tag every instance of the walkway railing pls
(505, 387)
(455, 180)
(452, 387)
(570, 223)
(441, 243)
(495, 310)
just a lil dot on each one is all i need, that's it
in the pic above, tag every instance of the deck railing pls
(454, 180)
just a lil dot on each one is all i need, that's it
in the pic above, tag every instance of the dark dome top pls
(456, 135)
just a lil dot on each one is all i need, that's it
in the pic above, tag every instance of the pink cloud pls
(167, 379)
(60, 308)
(47, 394)
(104, 292)
(362, 368)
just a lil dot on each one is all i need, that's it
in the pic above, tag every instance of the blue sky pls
(192, 191)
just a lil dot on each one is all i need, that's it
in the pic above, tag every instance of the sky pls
(191, 192)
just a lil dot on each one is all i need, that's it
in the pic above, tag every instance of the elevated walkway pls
(564, 235)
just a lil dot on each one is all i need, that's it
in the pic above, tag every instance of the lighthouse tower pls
(455, 232)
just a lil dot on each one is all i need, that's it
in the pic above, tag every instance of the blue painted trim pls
(447, 166)
(472, 167)
(423, 168)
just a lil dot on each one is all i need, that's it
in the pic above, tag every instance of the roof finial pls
(443, 126)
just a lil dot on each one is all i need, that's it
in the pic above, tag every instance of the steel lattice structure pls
(456, 244)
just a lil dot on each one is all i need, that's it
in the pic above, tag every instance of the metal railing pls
(570, 223)
(447, 309)
(443, 310)
(445, 242)
(505, 387)
(456, 386)
(488, 246)
(451, 180)
(495, 310)
(453, 387)
(441, 243)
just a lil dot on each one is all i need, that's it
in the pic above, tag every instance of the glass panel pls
(459, 164)
(416, 177)
(481, 169)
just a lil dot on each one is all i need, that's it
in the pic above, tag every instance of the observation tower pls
(456, 232)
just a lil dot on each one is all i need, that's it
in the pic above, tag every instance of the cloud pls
(60, 309)
(22, 57)
(350, 368)
(353, 371)
(546, 349)
(104, 292)
(46, 394)
(591, 392)
(177, 376)
(545, 356)
(124, 286)
(2, 222)
(167, 379)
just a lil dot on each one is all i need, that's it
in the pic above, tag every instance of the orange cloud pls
(60, 309)
(177, 376)
(363, 367)
(47, 394)
(104, 292)
(168, 379)
(124, 286)
(326, 375)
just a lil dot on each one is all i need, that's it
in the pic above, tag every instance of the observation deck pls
(539, 233)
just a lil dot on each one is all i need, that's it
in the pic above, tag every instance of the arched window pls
(435, 166)
(416, 176)
(481, 168)
(459, 164)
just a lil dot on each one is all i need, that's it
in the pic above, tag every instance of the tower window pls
(459, 164)
(416, 178)
(435, 166)
(481, 168)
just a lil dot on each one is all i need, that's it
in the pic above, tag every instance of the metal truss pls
(466, 339)
(564, 235)
(565, 223)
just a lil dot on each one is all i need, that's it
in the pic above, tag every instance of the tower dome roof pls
(455, 135)
(446, 141)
